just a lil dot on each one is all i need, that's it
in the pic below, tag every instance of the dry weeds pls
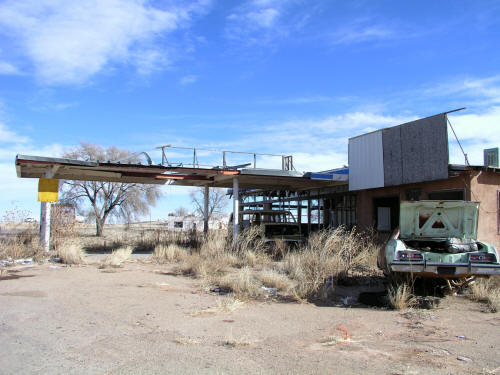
(117, 257)
(71, 252)
(236, 342)
(401, 297)
(20, 246)
(242, 283)
(486, 290)
(169, 253)
(186, 341)
(274, 279)
(161, 286)
(223, 305)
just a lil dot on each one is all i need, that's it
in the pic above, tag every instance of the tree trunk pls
(99, 224)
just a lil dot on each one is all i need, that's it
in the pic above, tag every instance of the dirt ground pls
(141, 319)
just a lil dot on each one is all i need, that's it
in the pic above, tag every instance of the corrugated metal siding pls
(366, 167)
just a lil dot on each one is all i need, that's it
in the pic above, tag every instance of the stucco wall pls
(480, 186)
(365, 209)
(485, 186)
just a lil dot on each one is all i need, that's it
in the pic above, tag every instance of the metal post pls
(319, 211)
(45, 225)
(205, 209)
(236, 208)
(254, 160)
(308, 212)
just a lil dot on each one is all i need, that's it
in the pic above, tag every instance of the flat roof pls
(28, 166)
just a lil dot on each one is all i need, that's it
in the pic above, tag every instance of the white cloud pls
(472, 91)
(8, 136)
(362, 34)
(22, 191)
(256, 22)
(476, 132)
(361, 30)
(8, 69)
(69, 42)
(300, 100)
(189, 79)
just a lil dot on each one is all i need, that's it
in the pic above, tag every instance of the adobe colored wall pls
(485, 186)
(365, 210)
(479, 186)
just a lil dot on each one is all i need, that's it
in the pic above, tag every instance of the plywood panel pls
(424, 145)
(366, 169)
(393, 163)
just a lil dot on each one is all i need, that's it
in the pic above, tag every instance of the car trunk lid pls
(438, 219)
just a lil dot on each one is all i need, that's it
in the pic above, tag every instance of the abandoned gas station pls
(387, 166)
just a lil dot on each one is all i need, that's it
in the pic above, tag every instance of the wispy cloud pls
(361, 33)
(300, 100)
(8, 136)
(69, 42)
(258, 22)
(8, 69)
(189, 79)
(472, 91)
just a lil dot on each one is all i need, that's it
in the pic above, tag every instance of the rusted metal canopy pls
(254, 178)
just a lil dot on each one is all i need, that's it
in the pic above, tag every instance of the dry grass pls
(236, 342)
(274, 279)
(117, 257)
(189, 266)
(169, 253)
(186, 341)
(401, 297)
(486, 290)
(71, 253)
(242, 283)
(232, 342)
(20, 246)
(161, 286)
(223, 305)
(328, 254)
(302, 273)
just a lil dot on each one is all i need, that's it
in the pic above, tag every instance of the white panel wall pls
(366, 161)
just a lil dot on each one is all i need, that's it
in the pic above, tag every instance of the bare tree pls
(217, 201)
(102, 200)
(181, 211)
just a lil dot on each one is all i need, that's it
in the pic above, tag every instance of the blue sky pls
(291, 77)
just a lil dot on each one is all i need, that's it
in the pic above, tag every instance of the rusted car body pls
(438, 239)
(277, 224)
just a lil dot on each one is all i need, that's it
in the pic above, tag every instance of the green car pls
(438, 239)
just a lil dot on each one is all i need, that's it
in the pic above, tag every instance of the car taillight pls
(409, 255)
(483, 258)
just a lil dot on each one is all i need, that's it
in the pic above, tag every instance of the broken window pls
(413, 194)
(447, 195)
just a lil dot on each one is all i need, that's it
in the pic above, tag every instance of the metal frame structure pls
(195, 174)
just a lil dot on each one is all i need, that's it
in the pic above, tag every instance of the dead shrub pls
(328, 254)
(189, 266)
(485, 290)
(251, 239)
(118, 256)
(169, 253)
(70, 253)
(20, 246)
(223, 305)
(242, 283)
(274, 279)
(401, 296)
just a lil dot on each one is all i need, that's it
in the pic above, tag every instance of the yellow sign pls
(48, 189)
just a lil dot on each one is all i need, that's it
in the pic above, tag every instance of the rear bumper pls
(445, 269)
